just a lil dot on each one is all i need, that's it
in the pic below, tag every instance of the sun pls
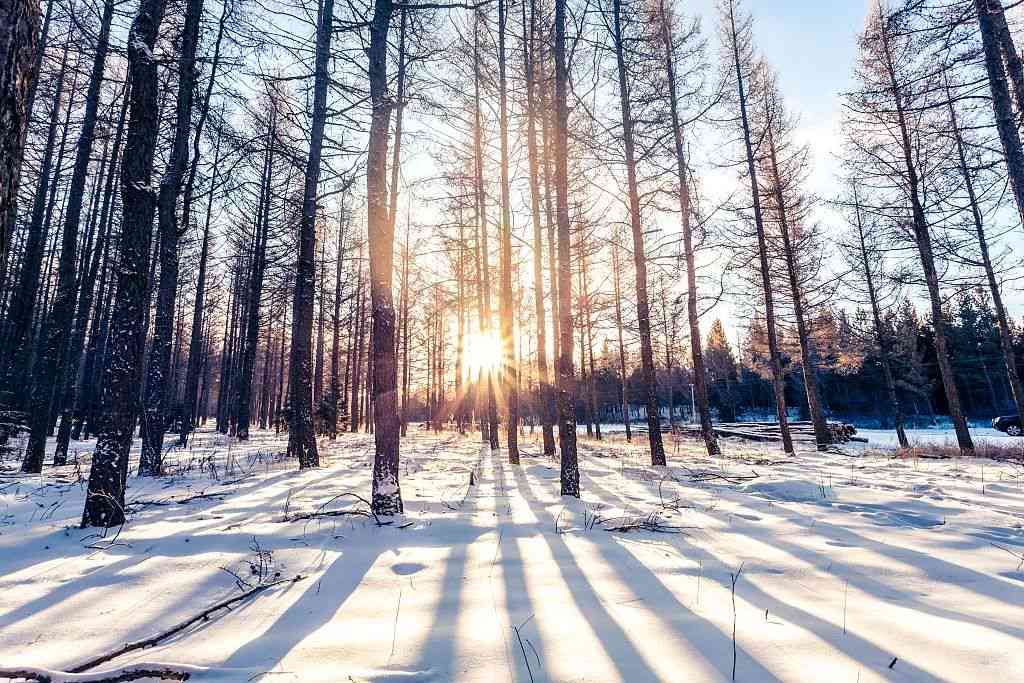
(482, 354)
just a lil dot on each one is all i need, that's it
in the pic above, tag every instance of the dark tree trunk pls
(882, 338)
(72, 352)
(922, 236)
(49, 376)
(989, 14)
(23, 304)
(255, 294)
(544, 390)
(643, 314)
(19, 34)
(154, 418)
(301, 436)
(617, 290)
(778, 381)
(332, 427)
(195, 346)
(104, 503)
(386, 493)
(570, 471)
(822, 436)
(700, 387)
(509, 382)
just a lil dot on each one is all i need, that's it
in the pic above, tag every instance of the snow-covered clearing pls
(862, 568)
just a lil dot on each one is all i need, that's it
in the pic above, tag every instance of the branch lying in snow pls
(651, 522)
(179, 501)
(132, 672)
(348, 512)
(177, 628)
(710, 475)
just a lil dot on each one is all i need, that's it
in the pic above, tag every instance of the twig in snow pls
(525, 658)
(179, 627)
(735, 576)
(131, 672)
(1016, 556)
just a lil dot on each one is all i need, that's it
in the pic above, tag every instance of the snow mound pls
(791, 490)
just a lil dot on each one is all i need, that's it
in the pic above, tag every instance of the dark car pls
(1009, 424)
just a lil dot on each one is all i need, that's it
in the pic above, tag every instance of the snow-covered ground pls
(856, 567)
(939, 437)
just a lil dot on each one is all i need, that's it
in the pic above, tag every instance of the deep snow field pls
(850, 566)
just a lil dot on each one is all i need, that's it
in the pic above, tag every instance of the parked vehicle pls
(1009, 424)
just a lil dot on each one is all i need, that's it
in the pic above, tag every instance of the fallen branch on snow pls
(177, 628)
(131, 672)
(179, 501)
(347, 512)
(651, 522)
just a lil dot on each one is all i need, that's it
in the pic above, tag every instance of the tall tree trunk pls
(700, 386)
(643, 313)
(544, 389)
(822, 436)
(509, 382)
(989, 12)
(404, 311)
(318, 366)
(616, 284)
(1005, 330)
(104, 503)
(23, 304)
(332, 427)
(386, 493)
(66, 384)
(778, 385)
(19, 35)
(195, 346)
(154, 420)
(570, 471)
(251, 334)
(301, 436)
(49, 375)
(922, 235)
(492, 408)
(882, 338)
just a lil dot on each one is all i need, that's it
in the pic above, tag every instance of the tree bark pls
(881, 334)
(23, 304)
(922, 235)
(386, 493)
(154, 419)
(778, 385)
(700, 387)
(104, 503)
(822, 436)
(19, 35)
(301, 436)
(570, 471)
(1002, 107)
(49, 374)
(643, 313)
(509, 382)
(544, 389)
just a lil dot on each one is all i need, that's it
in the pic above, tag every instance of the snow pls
(849, 560)
(937, 436)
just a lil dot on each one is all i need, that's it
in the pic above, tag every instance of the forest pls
(386, 247)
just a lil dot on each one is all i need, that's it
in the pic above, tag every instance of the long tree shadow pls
(850, 643)
(631, 663)
(519, 610)
(938, 570)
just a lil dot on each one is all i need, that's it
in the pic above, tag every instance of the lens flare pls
(482, 354)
